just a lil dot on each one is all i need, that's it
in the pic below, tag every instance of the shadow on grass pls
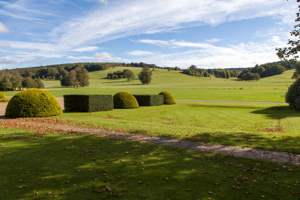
(277, 112)
(72, 167)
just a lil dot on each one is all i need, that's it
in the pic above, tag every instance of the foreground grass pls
(267, 126)
(75, 166)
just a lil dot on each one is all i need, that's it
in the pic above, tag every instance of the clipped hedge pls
(125, 100)
(33, 103)
(88, 103)
(168, 98)
(2, 96)
(150, 100)
(293, 95)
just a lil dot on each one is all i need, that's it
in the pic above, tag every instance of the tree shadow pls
(277, 112)
(72, 167)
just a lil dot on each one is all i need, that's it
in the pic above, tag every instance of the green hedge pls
(293, 95)
(2, 96)
(88, 103)
(150, 100)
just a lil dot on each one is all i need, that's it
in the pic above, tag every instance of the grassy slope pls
(274, 127)
(61, 166)
(183, 86)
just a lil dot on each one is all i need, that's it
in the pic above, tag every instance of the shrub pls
(88, 103)
(293, 95)
(168, 97)
(2, 96)
(33, 103)
(125, 100)
(150, 100)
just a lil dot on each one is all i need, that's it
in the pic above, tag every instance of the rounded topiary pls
(2, 96)
(168, 97)
(125, 100)
(33, 103)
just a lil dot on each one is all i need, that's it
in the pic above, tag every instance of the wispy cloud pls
(3, 29)
(213, 40)
(5, 45)
(7, 61)
(205, 55)
(86, 49)
(140, 53)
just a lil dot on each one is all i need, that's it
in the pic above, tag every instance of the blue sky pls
(208, 34)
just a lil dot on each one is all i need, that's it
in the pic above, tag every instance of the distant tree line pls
(224, 73)
(126, 73)
(266, 70)
(74, 78)
(12, 83)
(194, 71)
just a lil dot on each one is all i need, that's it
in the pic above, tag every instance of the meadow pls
(42, 165)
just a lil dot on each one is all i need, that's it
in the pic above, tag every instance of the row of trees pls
(74, 78)
(224, 73)
(194, 71)
(126, 73)
(18, 82)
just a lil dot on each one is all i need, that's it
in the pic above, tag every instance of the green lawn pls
(267, 126)
(78, 166)
(182, 86)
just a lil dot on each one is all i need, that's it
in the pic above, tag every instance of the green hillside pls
(182, 86)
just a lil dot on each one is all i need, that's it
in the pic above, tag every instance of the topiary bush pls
(33, 103)
(2, 96)
(149, 100)
(168, 98)
(125, 100)
(293, 95)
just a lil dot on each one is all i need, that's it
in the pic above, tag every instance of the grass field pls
(182, 86)
(77, 166)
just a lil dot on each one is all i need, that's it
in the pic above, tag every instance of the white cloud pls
(85, 49)
(132, 17)
(103, 1)
(140, 53)
(103, 56)
(205, 55)
(7, 61)
(213, 40)
(5, 45)
(3, 28)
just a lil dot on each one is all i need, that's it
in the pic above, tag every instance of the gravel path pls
(245, 152)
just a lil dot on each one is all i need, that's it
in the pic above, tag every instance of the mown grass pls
(267, 126)
(182, 86)
(78, 166)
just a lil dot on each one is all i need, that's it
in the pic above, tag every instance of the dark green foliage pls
(33, 103)
(150, 100)
(88, 103)
(293, 95)
(128, 74)
(168, 98)
(5, 83)
(194, 71)
(145, 75)
(125, 100)
(250, 76)
(39, 83)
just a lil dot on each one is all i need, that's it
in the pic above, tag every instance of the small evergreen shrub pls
(293, 95)
(2, 96)
(33, 103)
(88, 103)
(168, 98)
(125, 100)
(150, 100)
